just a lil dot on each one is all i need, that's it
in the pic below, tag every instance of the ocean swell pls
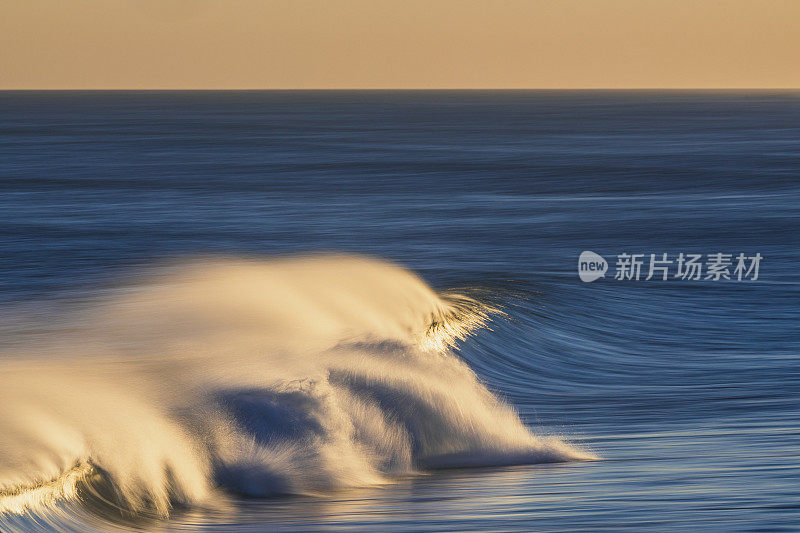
(256, 377)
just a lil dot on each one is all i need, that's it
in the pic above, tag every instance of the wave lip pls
(19, 499)
(282, 376)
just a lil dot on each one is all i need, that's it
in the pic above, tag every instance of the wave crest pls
(260, 377)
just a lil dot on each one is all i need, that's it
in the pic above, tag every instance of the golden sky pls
(286, 44)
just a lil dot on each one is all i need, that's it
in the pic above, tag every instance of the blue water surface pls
(689, 390)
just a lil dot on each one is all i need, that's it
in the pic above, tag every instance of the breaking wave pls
(283, 376)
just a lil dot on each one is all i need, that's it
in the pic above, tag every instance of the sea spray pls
(260, 377)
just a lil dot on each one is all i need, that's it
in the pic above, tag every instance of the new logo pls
(591, 266)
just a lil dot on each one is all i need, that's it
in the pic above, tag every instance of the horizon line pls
(387, 89)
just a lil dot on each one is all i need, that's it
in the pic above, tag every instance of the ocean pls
(364, 311)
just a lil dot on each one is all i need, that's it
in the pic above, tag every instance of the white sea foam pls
(292, 375)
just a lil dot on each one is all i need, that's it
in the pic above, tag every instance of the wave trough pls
(281, 376)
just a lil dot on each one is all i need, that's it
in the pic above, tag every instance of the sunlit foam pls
(293, 375)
